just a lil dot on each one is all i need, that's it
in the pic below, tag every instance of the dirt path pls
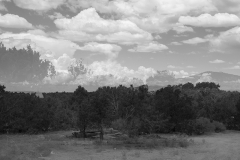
(55, 146)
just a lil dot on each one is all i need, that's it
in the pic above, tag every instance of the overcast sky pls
(128, 37)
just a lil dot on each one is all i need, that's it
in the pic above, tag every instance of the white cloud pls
(89, 24)
(49, 48)
(172, 67)
(157, 37)
(238, 63)
(190, 67)
(39, 5)
(157, 16)
(14, 21)
(114, 73)
(37, 32)
(56, 15)
(181, 29)
(176, 43)
(63, 62)
(111, 50)
(205, 77)
(234, 67)
(195, 40)
(227, 40)
(217, 61)
(207, 20)
(180, 74)
(150, 47)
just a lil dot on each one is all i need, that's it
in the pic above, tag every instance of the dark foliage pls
(132, 110)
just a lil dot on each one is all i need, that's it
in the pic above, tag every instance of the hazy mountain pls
(225, 80)
(162, 78)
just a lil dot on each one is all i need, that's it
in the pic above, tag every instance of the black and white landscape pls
(119, 79)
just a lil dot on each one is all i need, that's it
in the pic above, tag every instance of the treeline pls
(133, 110)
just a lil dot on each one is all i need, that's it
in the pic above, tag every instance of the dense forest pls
(187, 108)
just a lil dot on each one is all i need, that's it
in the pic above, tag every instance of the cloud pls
(39, 5)
(195, 40)
(89, 25)
(227, 40)
(113, 73)
(157, 37)
(207, 20)
(205, 77)
(181, 29)
(180, 74)
(110, 50)
(56, 15)
(234, 67)
(190, 67)
(2, 6)
(63, 62)
(37, 32)
(46, 46)
(155, 17)
(217, 61)
(176, 43)
(172, 67)
(150, 47)
(14, 21)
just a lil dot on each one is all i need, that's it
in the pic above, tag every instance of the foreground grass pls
(56, 146)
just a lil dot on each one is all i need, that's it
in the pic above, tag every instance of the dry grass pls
(55, 146)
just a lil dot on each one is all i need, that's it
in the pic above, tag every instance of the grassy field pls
(57, 146)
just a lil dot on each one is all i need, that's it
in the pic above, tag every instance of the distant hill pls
(161, 79)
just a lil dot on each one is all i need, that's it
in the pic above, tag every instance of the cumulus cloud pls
(180, 74)
(37, 32)
(46, 46)
(195, 40)
(14, 21)
(39, 5)
(113, 73)
(207, 20)
(89, 24)
(150, 47)
(217, 61)
(181, 29)
(110, 50)
(227, 40)
(56, 15)
(205, 77)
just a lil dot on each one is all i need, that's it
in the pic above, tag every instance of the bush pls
(219, 127)
(203, 125)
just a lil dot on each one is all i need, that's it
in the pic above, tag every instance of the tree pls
(101, 109)
(175, 106)
(210, 85)
(81, 99)
(188, 86)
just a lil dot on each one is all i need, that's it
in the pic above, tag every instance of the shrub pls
(203, 125)
(219, 127)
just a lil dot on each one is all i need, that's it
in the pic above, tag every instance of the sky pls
(127, 38)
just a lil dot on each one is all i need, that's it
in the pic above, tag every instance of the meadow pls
(61, 146)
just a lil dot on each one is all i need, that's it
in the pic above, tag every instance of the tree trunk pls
(101, 132)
